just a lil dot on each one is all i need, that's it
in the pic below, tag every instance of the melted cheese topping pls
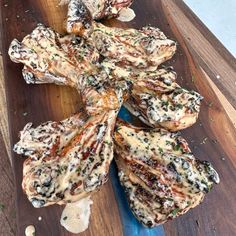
(75, 216)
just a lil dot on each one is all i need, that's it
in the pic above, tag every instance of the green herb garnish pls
(177, 147)
(175, 211)
(160, 150)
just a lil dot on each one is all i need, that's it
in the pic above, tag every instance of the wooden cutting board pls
(202, 64)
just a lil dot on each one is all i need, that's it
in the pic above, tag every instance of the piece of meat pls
(67, 160)
(175, 110)
(74, 160)
(100, 9)
(145, 48)
(52, 58)
(81, 13)
(156, 81)
(156, 98)
(148, 47)
(161, 177)
(79, 19)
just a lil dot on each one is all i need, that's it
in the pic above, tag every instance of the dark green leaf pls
(175, 211)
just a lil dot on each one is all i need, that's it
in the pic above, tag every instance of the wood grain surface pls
(202, 64)
(7, 186)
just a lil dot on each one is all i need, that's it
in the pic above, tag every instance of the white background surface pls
(220, 17)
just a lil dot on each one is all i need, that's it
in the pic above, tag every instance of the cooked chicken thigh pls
(49, 58)
(161, 177)
(174, 110)
(145, 48)
(156, 98)
(70, 159)
(67, 160)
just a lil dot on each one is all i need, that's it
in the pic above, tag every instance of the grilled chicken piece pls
(156, 98)
(66, 164)
(151, 81)
(79, 19)
(67, 160)
(161, 177)
(145, 48)
(82, 12)
(174, 110)
(49, 58)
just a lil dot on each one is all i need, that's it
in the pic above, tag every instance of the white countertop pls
(220, 17)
